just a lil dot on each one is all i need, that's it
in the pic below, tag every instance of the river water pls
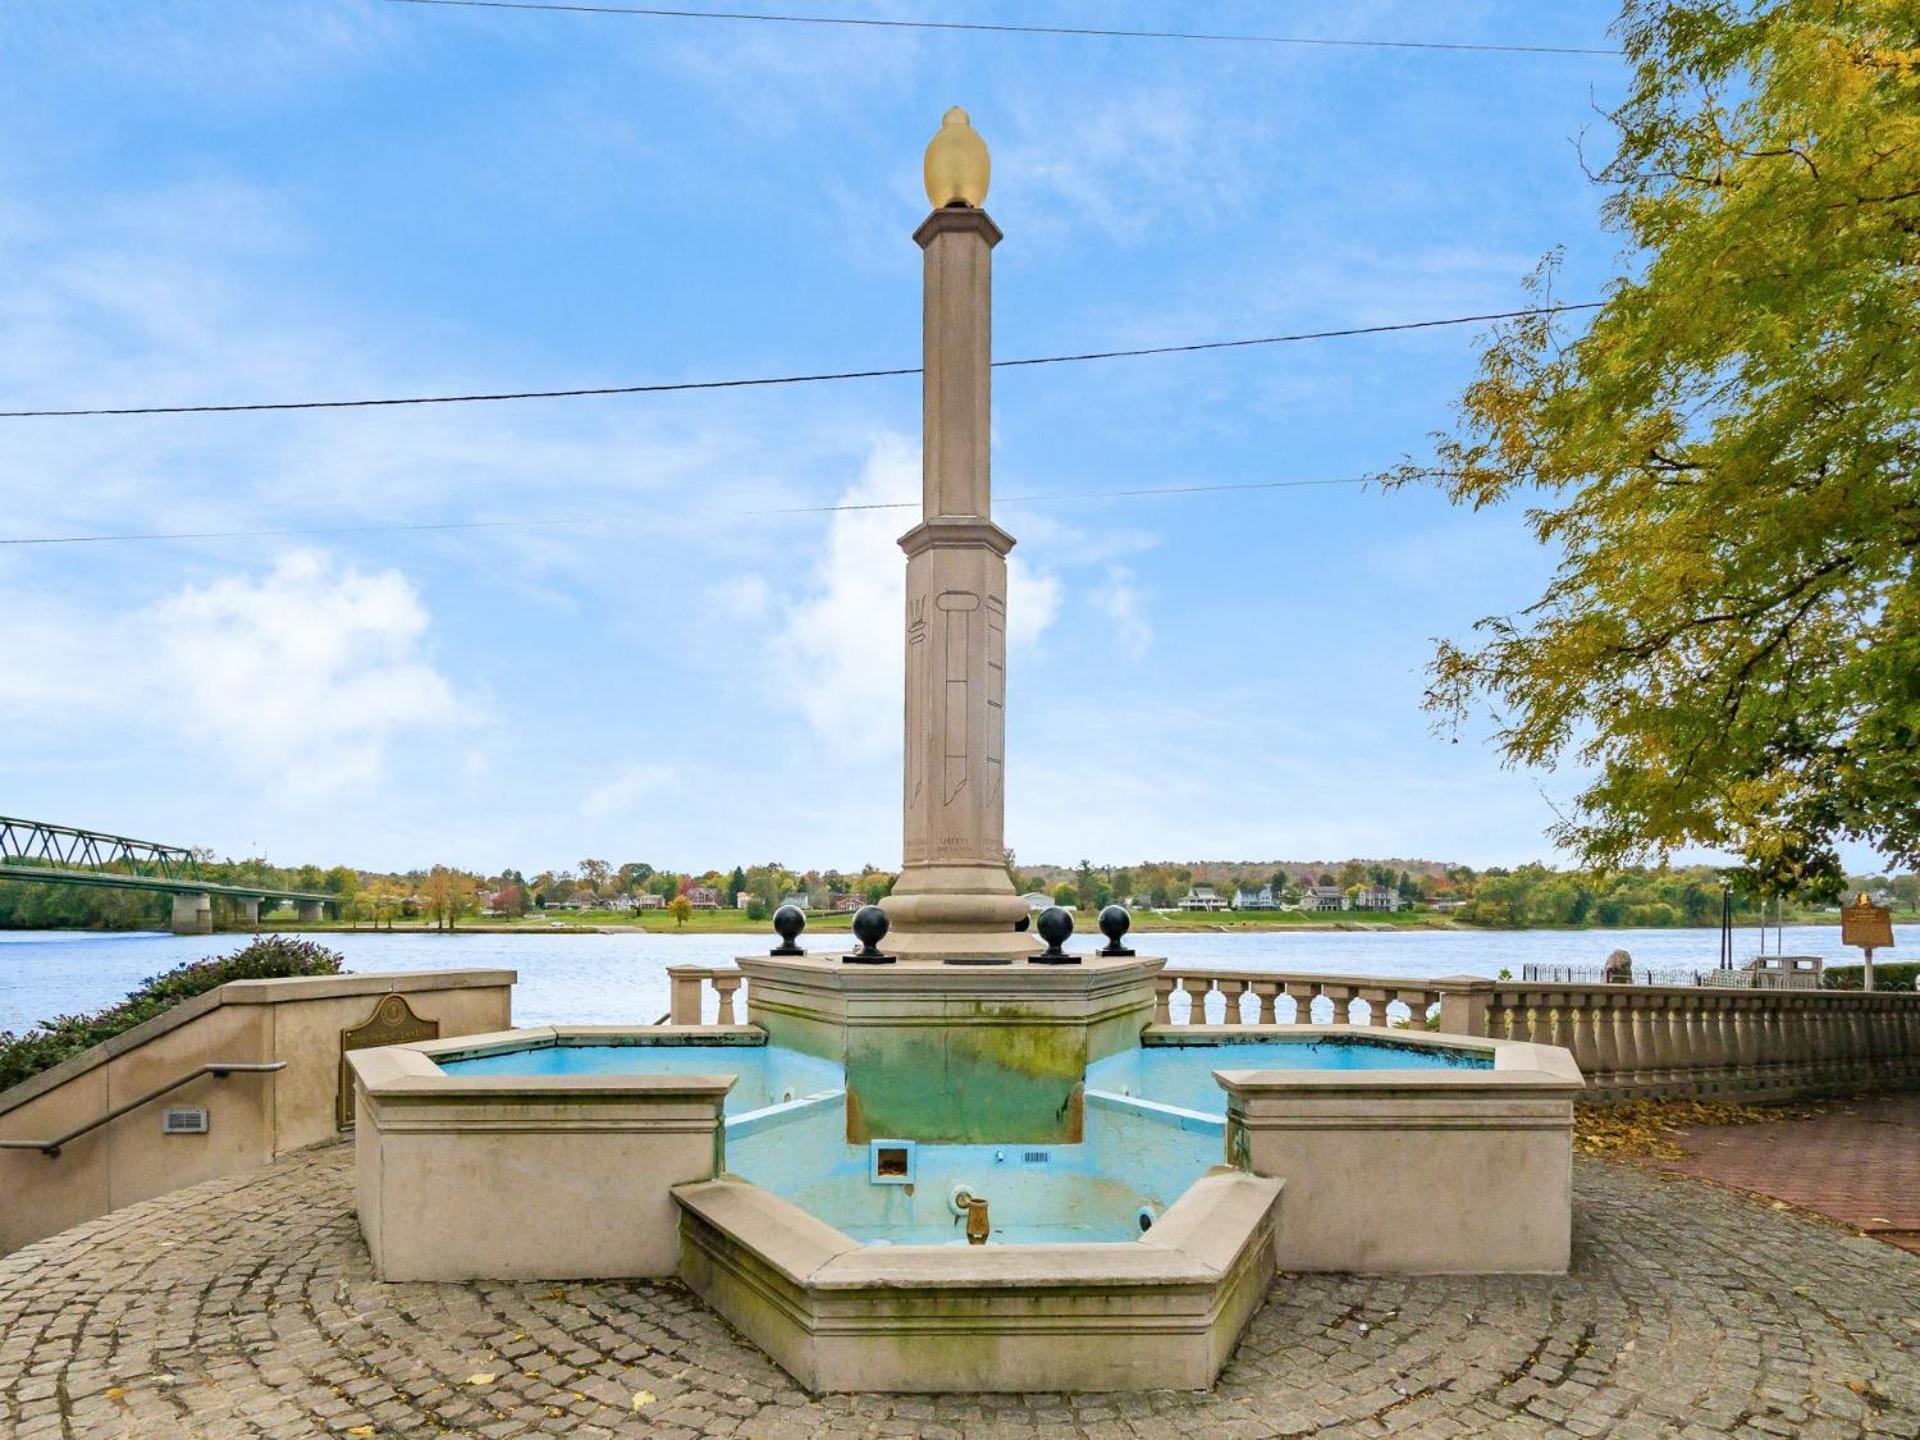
(570, 978)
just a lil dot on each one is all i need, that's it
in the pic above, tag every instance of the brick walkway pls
(245, 1308)
(1859, 1163)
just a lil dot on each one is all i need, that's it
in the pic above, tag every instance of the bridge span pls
(46, 854)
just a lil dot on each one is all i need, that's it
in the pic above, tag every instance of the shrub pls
(1887, 975)
(272, 957)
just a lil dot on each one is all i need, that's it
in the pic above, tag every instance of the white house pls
(1037, 900)
(1245, 897)
(1202, 897)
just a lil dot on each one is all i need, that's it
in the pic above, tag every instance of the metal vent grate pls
(183, 1120)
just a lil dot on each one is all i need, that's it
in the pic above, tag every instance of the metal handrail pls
(219, 1069)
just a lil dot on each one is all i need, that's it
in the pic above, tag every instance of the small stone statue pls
(1619, 969)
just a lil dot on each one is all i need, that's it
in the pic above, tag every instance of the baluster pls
(724, 986)
(1163, 986)
(1266, 1002)
(1376, 1008)
(1302, 997)
(1230, 993)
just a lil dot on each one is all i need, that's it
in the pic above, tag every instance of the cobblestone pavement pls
(1858, 1162)
(245, 1307)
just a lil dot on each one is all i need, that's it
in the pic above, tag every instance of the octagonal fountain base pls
(1159, 1312)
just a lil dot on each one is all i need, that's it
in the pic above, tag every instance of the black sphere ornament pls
(870, 926)
(788, 922)
(1114, 924)
(1055, 926)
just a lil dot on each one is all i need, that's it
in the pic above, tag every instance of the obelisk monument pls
(953, 898)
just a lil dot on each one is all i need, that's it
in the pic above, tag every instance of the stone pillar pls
(953, 897)
(192, 915)
(249, 911)
(310, 911)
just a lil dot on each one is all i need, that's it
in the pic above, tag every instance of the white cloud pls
(306, 675)
(1120, 600)
(839, 653)
(626, 789)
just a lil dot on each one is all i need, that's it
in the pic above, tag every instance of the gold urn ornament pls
(957, 167)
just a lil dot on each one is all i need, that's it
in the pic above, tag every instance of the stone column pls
(309, 911)
(953, 897)
(192, 915)
(249, 911)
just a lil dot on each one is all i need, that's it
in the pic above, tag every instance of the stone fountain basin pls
(1162, 1311)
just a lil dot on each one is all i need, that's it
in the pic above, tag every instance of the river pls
(622, 979)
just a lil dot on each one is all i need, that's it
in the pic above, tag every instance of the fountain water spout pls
(978, 1225)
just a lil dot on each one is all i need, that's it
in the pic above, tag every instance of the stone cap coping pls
(286, 991)
(1517, 1066)
(548, 1037)
(1224, 1036)
(1193, 1245)
(934, 977)
(404, 1072)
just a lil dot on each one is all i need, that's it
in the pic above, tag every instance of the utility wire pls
(602, 523)
(771, 380)
(984, 27)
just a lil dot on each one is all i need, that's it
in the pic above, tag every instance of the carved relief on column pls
(957, 609)
(919, 658)
(996, 738)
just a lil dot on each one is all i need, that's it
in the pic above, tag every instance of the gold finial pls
(957, 168)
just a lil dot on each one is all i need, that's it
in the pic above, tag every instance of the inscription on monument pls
(391, 1023)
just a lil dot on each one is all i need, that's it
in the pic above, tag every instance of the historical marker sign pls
(391, 1023)
(1866, 924)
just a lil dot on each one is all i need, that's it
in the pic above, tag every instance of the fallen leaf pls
(114, 1392)
(484, 1377)
(643, 1398)
(360, 1430)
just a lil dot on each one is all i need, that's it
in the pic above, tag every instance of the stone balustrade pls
(691, 987)
(1630, 1041)
(1249, 997)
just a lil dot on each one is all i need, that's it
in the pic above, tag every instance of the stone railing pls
(1186, 996)
(1635, 1041)
(690, 988)
(1630, 1041)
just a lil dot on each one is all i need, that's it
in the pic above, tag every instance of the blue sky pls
(207, 202)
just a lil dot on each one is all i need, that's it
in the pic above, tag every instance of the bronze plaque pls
(1866, 924)
(391, 1023)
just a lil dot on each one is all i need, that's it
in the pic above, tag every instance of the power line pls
(602, 522)
(773, 380)
(987, 28)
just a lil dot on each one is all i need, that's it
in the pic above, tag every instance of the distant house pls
(1245, 897)
(841, 904)
(618, 902)
(1202, 897)
(1377, 897)
(703, 897)
(1322, 897)
(1037, 900)
(647, 900)
(800, 900)
(1444, 904)
(741, 899)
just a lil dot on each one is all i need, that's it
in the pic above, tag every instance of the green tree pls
(681, 909)
(1725, 461)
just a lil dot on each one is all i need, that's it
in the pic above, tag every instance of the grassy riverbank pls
(735, 922)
